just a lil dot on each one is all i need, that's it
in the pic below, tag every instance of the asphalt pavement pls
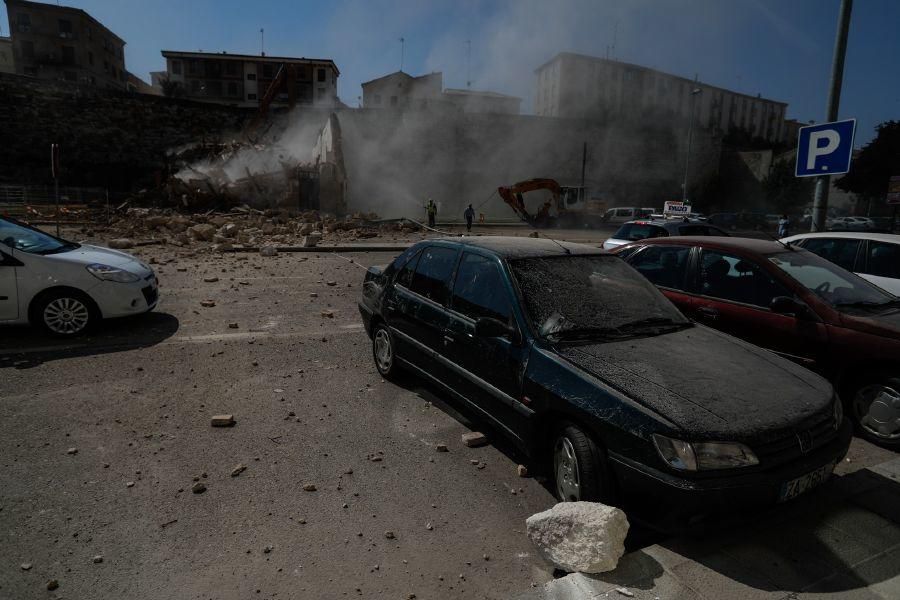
(103, 438)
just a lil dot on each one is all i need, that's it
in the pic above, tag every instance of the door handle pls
(711, 313)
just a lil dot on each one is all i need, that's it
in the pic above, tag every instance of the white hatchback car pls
(872, 256)
(66, 287)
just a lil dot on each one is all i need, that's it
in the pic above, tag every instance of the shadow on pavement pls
(27, 347)
(639, 536)
(843, 537)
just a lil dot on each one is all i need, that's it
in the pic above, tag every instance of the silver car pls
(633, 231)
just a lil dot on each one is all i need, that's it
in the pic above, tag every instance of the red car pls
(794, 303)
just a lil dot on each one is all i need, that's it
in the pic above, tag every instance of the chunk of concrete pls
(121, 244)
(222, 420)
(268, 251)
(587, 537)
(310, 241)
(474, 439)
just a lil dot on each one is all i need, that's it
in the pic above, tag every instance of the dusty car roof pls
(522, 247)
(892, 238)
(722, 243)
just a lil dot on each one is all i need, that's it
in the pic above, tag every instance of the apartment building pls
(7, 64)
(243, 79)
(579, 86)
(402, 90)
(59, 42)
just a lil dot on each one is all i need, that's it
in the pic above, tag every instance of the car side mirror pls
(784, 305)
(487, 327)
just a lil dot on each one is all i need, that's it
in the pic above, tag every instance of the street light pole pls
(687, 158)
(820, 201)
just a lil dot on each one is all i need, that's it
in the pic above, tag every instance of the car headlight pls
(108, 273)
(703, 456)
(838, 412)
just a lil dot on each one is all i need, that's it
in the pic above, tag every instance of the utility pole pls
(402, 43)
(468, 64)
(820, 201)
(690, 137)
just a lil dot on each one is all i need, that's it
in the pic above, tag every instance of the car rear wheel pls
(383, 351)
(876, 411)
(65, 313)
(580, 468)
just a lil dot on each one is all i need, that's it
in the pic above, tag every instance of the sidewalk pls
(840, 543)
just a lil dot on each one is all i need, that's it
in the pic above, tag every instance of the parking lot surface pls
(103, 438)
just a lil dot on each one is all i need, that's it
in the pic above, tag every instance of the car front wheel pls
(65, 313)
(876, 411)
(580, 468)
(383, 351)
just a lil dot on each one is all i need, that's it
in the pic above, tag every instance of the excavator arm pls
(513, 196)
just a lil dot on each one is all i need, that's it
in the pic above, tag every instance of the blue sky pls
(779, 48)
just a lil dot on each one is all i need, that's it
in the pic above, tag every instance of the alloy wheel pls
(568, 483)
(384, 353)
(66, 316)
(877, 407)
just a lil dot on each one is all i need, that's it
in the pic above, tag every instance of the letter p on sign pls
(825, 149)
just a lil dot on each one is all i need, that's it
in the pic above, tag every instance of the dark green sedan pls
(594, 374)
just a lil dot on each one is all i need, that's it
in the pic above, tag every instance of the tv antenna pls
(468, 64)
(262, 41)
(402, 44)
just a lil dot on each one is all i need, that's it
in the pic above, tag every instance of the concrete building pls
(243, 79)
(579, 86)
(7, 64)
(402, 90)
(138, 85)
(60, 42)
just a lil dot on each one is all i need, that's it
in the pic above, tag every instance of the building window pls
(23, 21)
(106, 66)
(28, 49)
(251, 96)
(90, 33)
(68, 55)
(176, 67)
(65, 28)
(230, 67)
(192, 67)
(91, 58)
(267, 71)
(251, 76)
(320, 74)
(232, 88)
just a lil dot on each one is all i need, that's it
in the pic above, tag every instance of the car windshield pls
(592, 297)
(830, 282)
(33, 241)
(638, 231)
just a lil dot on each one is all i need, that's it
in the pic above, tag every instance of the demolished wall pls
(395, 160)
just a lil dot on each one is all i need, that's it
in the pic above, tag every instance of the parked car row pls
(589, 369)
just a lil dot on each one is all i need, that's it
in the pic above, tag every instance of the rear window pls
(883, 260)
(639, 231)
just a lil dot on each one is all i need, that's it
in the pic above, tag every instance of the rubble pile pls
(242, 226)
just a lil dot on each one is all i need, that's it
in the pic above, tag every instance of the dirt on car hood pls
(711, 385)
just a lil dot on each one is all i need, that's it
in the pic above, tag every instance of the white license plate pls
(804, 483)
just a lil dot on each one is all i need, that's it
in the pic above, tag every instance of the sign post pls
(54, 169)
(820, 201)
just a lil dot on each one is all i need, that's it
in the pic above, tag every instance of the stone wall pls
(108, 139)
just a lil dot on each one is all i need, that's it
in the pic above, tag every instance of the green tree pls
(784, 192)
(871, 170)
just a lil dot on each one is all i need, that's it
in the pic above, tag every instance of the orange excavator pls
(567, 206)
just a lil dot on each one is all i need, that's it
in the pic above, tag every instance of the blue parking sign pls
(825, 149)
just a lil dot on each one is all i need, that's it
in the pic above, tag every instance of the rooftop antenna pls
(468, 64)
(262, 41)
(402, 43)
(615, 37)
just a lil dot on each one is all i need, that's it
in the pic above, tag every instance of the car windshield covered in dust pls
(570, 297)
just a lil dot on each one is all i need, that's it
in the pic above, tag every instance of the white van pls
(624, 214)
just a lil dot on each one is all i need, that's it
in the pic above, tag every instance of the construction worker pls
(470, 216)
(431, 210)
